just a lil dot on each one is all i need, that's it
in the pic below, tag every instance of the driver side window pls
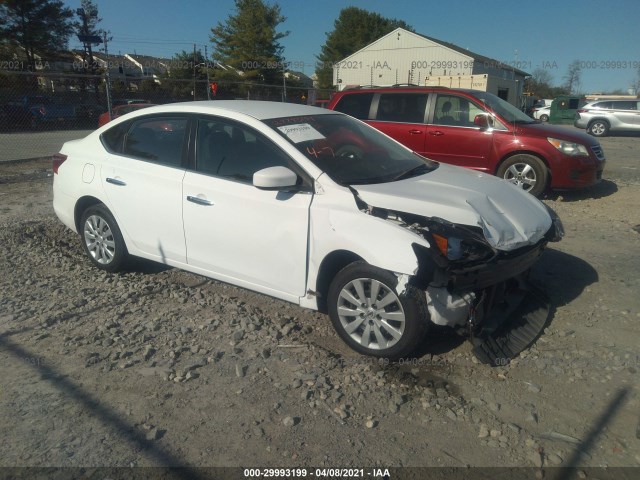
(224, 149)
(232, 151)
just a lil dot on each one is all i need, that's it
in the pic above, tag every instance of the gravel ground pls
(158, 367)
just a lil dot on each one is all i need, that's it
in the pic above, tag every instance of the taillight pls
(58, 159)
(43, 111)
(583, 110)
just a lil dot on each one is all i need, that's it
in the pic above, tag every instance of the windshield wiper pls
(414, 172)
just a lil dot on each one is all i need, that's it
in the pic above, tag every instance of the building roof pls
(476, 56)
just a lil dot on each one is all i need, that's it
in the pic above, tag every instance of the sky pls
(545, 34)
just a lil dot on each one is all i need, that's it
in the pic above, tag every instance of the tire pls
(598, 128)
(544, 118)
(102, 240)
(526, 172)
(392, 330)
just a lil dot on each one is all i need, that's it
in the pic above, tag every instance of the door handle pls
(436, 133)
(198, 200)
(415, 132)
(116, 181)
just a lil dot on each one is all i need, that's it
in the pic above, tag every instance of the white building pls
(403, 57)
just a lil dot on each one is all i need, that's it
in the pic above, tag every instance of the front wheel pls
(599, 128)
(526, 172)
(372, 317)
(544, 118)
(102, 239)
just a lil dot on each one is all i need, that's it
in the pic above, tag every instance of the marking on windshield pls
(301, 132)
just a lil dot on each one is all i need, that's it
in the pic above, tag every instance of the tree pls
(88, 27)
(249, 41)
(39, 26)
(180, 78)
(573, 77)
(353, 29)
(539, 84)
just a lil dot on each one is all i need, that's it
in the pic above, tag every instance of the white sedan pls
(312, 207)
(542, 113)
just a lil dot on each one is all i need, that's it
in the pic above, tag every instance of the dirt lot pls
(159, 367)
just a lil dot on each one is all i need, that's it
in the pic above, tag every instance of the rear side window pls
(624, 105)
(157, 139)
(401, 107)
(602, 105)
(356, 105)
(113, 139)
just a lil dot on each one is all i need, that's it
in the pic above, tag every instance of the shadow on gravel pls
(586, 445)
(562, 276)
(603, 189)
(84, 399)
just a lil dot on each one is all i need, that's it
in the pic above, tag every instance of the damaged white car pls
(316, 208)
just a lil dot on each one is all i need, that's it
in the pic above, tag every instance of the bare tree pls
(573, 77)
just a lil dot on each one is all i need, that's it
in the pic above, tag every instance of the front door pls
(237, 232)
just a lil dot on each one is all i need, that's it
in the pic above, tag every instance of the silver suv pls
(602, 116)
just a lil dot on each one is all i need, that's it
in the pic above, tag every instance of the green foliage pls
(249, 41)
(354, 29)
(40, 26)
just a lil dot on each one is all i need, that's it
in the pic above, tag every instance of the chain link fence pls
(41, 111)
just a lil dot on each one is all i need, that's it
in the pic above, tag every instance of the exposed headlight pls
(462, 249)
(569, 148)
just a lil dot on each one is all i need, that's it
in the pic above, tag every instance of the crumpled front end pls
(478, 289)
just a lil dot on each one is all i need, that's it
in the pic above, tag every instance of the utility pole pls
(108, 76)
(206, 64)
(284, 83)
(194, 71)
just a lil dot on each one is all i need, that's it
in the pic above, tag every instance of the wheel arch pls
(331, 264)
(539, 156)
(599, 119)
(81, 205)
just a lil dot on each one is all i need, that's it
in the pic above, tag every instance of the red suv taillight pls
(58, 159)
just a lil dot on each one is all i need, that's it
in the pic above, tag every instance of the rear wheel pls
(102, 239)
(598, 128)
(544, 118)
(526, 172)
(372, 317)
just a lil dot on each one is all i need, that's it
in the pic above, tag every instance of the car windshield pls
(507, 111)
(349, 151)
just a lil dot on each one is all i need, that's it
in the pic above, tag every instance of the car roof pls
(260, 110)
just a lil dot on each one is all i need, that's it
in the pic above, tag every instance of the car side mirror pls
(483, 120)
(274, 178)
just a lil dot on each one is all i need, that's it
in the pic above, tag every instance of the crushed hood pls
(509, 217)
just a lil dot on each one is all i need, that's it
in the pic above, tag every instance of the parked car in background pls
(542, 113)
(121, 110)
(601, 117)
(478, 130)
(45, 111)
(15, 116)
(349, 221)
(127, 101)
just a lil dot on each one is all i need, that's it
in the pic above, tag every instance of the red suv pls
(478, 130)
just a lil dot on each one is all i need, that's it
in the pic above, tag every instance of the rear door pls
(452, 137)
(142, 176)
(402, 117)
